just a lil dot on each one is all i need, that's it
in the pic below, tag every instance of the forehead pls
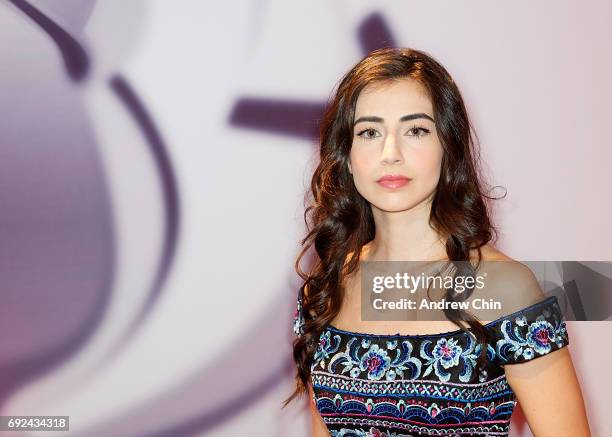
(395, 99)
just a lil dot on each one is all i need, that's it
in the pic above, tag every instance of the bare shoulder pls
(510, 281)
(505, 265)
(491, 253)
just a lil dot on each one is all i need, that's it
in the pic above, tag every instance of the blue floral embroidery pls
(326, 346)
(367, 385)
(375, 361)
(392, 362)
(447, 353)
(521, 341)
(526, 340)
(388, 361)
(540, 335)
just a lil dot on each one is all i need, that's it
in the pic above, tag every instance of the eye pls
(416, 129)
(367, 137)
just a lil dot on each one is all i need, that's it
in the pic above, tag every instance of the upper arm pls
(549, 393)
(319, 429)
(531, 345)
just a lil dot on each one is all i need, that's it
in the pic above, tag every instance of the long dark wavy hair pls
(339, 220)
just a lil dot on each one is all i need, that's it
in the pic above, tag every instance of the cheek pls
(427, 162)
(361, 162)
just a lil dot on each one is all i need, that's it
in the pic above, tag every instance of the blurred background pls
(153, 161)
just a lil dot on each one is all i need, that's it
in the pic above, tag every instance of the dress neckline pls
(331, 327)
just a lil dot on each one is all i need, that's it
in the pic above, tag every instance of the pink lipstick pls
(393, 181)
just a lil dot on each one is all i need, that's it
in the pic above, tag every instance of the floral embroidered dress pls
(420, 385)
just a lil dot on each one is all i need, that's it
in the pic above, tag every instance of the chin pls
(394, 205)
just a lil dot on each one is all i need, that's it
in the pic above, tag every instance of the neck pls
(405, 236)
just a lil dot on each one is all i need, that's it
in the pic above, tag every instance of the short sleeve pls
(530, 333)
(298, 317)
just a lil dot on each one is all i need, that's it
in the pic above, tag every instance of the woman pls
(398, 180)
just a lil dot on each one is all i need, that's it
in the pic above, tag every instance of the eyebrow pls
(375, 119)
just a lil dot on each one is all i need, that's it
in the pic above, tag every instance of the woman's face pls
(394, 134)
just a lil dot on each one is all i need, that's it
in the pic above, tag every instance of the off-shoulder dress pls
(426, 385)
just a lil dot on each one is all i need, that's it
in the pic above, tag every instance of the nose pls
(391, 153)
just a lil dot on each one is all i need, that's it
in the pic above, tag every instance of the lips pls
(393, 181)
